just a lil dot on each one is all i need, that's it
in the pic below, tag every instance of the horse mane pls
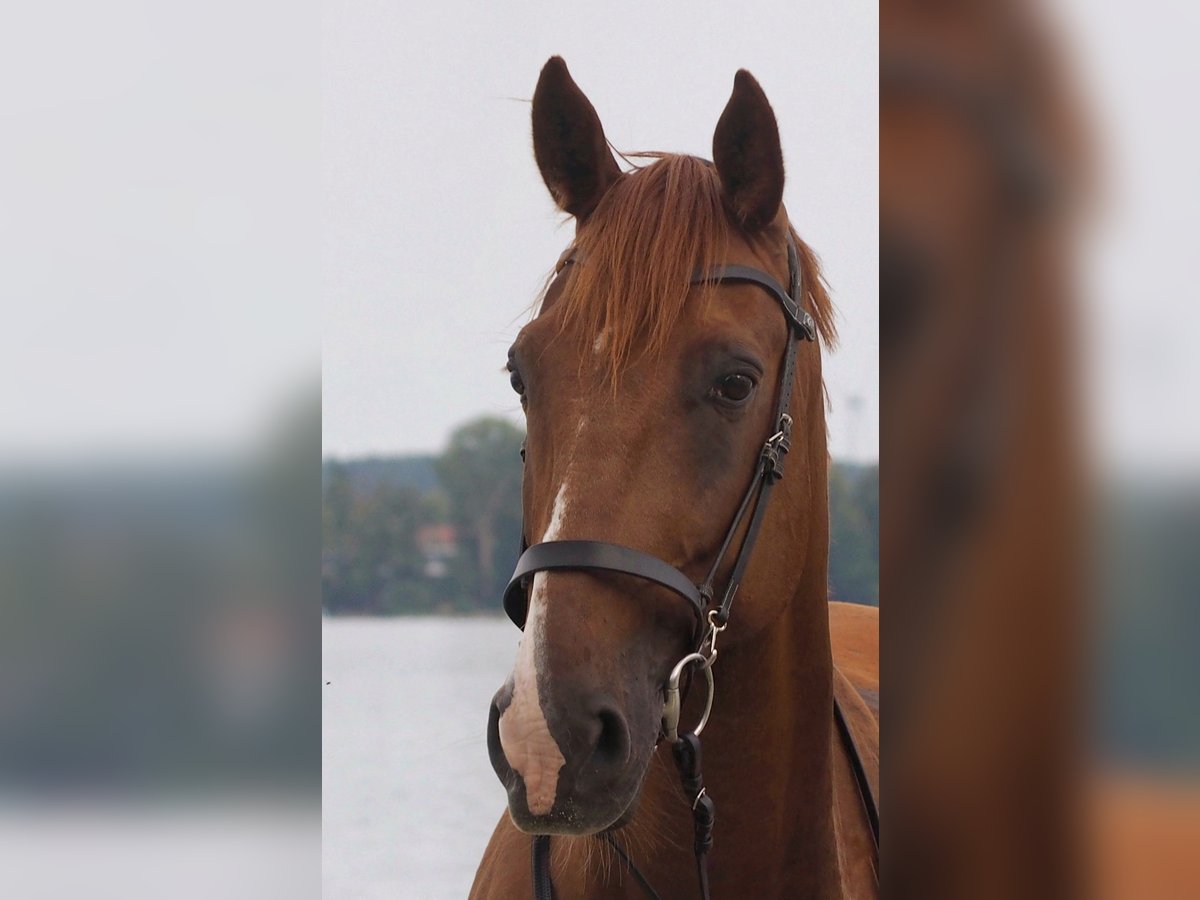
(657, 225)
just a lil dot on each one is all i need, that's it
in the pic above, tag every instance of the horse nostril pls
(612, 746)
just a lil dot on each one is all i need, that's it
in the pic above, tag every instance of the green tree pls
(337, 512)
(370, 560)
(480, 473)
(854, 534)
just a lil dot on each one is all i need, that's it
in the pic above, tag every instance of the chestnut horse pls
(648, 393)
(983, 181)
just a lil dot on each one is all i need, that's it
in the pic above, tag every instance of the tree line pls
(440, 533)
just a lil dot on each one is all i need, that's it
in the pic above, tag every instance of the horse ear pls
(569, 144)
(747, 155)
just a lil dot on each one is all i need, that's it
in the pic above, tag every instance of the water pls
(409, 798)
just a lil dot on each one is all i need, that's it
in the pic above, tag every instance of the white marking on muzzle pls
(525, 736)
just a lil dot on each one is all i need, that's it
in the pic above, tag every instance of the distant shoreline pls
(417, 614)
(466, 614)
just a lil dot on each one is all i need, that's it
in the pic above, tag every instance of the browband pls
(799, 318)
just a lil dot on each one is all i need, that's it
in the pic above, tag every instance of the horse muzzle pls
(573, 765)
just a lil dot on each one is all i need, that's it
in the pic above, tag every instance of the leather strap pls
(543, 885)
(770, 466)
(870, 802)
(600, 555)
(797, 317)
(539, 853)
(770, 471)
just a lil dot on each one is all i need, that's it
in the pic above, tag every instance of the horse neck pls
(767, 748)
(767, 751)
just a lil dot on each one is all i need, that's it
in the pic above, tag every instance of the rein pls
(711, 618)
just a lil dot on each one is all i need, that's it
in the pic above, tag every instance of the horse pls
(983, 179)
(655, 367)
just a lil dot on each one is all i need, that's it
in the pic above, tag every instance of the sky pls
(1138, 316)
(438, 231)
(192, 209)
(159, 219)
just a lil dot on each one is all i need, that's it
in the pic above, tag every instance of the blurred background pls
(159, 450)
(1040, 508)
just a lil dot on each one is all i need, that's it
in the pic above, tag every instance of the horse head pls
(648, 393)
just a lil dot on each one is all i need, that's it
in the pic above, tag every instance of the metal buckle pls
(808, 326)
(776, 446)
(710, 637)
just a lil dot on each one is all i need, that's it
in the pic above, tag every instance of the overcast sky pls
(162, 213)
(439, 231)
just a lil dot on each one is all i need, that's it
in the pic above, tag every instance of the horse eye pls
(514, 379)
(735, 388)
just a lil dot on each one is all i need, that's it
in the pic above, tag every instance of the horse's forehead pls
(740, 315)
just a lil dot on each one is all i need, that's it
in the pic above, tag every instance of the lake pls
(409, 798)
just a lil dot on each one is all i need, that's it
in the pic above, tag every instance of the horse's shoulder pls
(504, 870)
(854, 635)
(859, 748)
(863, 619)
(862, 721)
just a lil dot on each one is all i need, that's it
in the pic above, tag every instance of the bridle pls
(711, 619)
(602, 555)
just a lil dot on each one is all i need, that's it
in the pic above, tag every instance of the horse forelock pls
(633, 262)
